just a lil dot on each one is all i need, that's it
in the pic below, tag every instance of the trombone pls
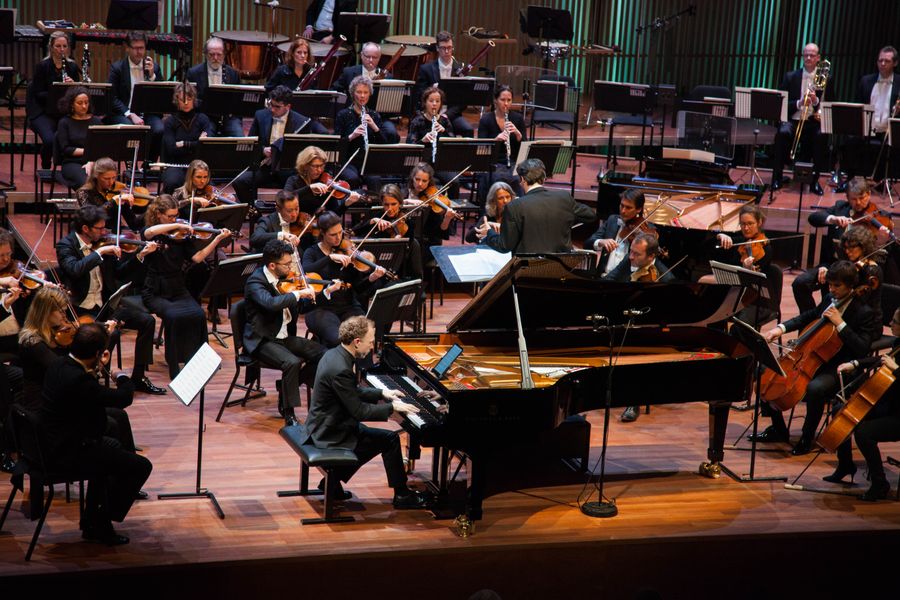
(817, 83)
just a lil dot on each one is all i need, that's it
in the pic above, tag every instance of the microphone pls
(635, 312)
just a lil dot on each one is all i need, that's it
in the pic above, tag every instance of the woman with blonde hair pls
(310, 184)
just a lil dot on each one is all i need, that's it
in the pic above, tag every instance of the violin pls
(756, 249)
(363, 260)
(297, 227)
(647, 274)
(873, 218)
(215, 196)
(440, 203)
(64, 335)
(142, 196)
(202, 231)
(128, 242)
(340, 189)
(30, 279)
(312, 280)
(641, 224)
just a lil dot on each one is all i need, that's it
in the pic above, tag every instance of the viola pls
(142, 196)
(647, 274)
(363, 260)
(756, 249)
(873, 218)
(440, 203)
(818, 343)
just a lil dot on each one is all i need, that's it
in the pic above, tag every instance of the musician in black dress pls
(508, 128)
(298, 60)
(498, 197)
(71, 135)
(56, 66)
(855, 323)
(313, 186)
(100, 190)
(436, 223)
(881, 424)
(336, 302)
(165, 293)
(181, 131)
(386, 222)
(430, 75)
(359, 132)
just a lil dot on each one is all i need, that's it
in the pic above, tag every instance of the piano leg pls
(476, 487)
(715, 453)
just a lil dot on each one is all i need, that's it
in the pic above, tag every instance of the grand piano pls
(668, 356)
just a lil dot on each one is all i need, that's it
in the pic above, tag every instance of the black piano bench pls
(325, 460)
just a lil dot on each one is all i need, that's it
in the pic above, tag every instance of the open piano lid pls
(553, 293)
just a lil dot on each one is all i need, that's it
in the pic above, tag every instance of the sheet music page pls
(196, 374)
(480, 265)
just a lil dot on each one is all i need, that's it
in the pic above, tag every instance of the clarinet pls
(362, 116)
(508, 147)
(86, 65)
(434, 137)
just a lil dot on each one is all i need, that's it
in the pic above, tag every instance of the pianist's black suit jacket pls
(338, 404)
(264, 306)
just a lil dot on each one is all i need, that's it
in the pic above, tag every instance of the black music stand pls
(100, 94)
(237, 100)
(470, 91)
(227, 279)
(389, 302)
(318, 103)
(391, 159)
(150, 97)
(294, 143)
(545, 23)
(762, 353)
(708, 132)
(628, 98)
(456, 154)
(845, 120)
(556, 155)
(115, 141)
(763, 105)
(133, 14)
(190, 383)
(6, 80)
(229, 154)
(391, 96)
(362, 27)
(389, 252)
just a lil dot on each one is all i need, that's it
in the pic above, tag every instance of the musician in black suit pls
(430, 75)
(214, 71)
(339, 406)
(93, 275)
(270, 125)
(643, 264)
(56, 66)
(74, 418)
(882, 91)
(857, 326)
(610, 238)
(369, 57)
(796, 83)
(541, 221)
(322, 18)
(284, 223)
(136, 66)
(270, 332)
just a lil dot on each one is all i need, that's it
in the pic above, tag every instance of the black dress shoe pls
(769, 435)
(340, 494)
(146, 386)
(777, 184)
(841, 472)
(803, 446)
(412, 500)
(816, 189)
(7, 464)
(104, 535)
(879, 490)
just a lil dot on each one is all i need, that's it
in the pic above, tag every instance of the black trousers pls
(811, 136)
(45, 127)
(73, 174)
(246, 187)
(185, 327)
(871, 431)
(804, 286)
(324, 323)
(370, 443)
(156, 131)
(297, 358)
(133, 315)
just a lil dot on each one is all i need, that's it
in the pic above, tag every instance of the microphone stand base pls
(600, 510)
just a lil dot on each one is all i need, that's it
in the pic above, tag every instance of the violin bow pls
(34, 250)
(336, 177)
(669, 270)
(236, 177)
(766, 241)
(371, 231)
(130, 191)
(659, 205)
(432, 198)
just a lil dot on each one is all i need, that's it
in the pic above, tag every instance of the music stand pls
(294, 143)
(229, 154)
(190, 383)
(237, 100)
(227, 279)
(389, 252)
(546, 23)
(318, 103)
(114, 141)
(8, 25)
(389, 302)
(390, 159)
(391, 96)
(362, 27)
(6, 77)
(627, 98)
(456, 154)
(707, 132)
(555, 154)
(110, 306)
(100, 94)
(758, 346)
(153, 97)
(133, 14)
(761, 104)
(469, 91)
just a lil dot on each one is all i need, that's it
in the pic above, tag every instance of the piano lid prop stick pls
(527, 382)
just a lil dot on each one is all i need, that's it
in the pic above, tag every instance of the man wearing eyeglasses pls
(214, 71)
(370, 56)
(799, 86)
(430, 75)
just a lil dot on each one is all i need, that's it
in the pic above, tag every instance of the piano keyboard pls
(427, 415)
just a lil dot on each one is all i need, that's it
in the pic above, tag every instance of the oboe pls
(86, 65)
(434, 136)
(506, 141)
(362, 116)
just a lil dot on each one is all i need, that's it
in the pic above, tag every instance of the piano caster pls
(711, 470)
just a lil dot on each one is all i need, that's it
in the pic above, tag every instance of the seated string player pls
(273, 300)
(315, 188)
(612, 240)
(856, 324)
(286, 223)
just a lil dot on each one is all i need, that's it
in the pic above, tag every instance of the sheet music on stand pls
(555, 154)
(469, 263)
(390, 94)
(196, 374)
(153, 97)
(760, 103)
(237, 100)
(115, 141)
(470, 90)
(390, 159)
(294, 143)
(734, 275)
(318, 103)
(225, 216)
(847, 118)
(100, 94)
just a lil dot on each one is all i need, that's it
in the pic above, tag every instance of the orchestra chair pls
(26, 427)
(323, 459)
(53, 176)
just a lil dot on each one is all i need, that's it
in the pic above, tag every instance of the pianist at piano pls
(339, 406)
